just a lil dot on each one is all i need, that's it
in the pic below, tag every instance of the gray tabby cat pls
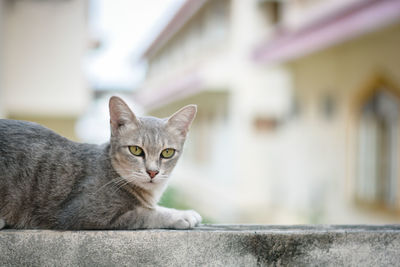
(48, 181)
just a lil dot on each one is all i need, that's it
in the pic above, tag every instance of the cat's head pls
(144, 150)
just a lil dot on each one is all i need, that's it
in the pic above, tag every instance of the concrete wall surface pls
(208, 245)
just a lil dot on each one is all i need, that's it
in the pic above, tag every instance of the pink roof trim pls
(184, 13)
(184, 86)
(349, 24)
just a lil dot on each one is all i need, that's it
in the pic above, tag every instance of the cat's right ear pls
(120, 114)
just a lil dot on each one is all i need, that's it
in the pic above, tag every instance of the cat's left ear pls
(182, 119)
(120, 114)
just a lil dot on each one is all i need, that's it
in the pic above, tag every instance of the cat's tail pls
(2, 224)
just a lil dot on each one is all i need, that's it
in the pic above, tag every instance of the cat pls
(50, 182)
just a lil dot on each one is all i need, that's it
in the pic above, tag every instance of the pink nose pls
(152, 174)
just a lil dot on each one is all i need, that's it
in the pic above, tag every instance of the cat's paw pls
(2, 224)
(186, 219)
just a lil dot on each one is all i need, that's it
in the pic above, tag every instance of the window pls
(378, 149)
(328, 105)
(273, 9)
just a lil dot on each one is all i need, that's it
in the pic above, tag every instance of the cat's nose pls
(152, 174)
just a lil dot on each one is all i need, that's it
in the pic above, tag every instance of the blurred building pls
(298, 107)
(42, 44)
(343, 62)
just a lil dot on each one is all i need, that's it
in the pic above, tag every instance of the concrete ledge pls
(209, 245)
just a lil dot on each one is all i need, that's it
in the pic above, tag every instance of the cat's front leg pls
(175, 219)
(158, 217)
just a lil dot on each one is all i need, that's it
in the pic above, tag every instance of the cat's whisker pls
(126, 182)
(112, 182)
(162, 178)
(132, 178)
(136, 177)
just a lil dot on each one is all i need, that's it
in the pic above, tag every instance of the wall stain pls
(284, 249)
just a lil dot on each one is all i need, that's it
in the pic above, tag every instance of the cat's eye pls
(137, 151)
(167, 153)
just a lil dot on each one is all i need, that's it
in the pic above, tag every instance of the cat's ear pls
(182, 119)
(120, 114)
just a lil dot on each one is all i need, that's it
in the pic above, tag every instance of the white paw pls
(186, 219)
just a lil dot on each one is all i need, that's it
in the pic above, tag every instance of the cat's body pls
(50, 182)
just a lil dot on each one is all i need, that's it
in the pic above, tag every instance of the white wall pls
(298, 14)
(43, 45)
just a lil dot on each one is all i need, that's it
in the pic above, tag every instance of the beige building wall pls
(43, 44)
(341, 74)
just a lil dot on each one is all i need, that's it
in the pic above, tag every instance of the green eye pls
(167, 153)
(135, 150)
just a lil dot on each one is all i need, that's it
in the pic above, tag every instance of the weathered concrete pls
(213, 245)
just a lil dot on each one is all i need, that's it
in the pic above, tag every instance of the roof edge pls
(187, 10)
